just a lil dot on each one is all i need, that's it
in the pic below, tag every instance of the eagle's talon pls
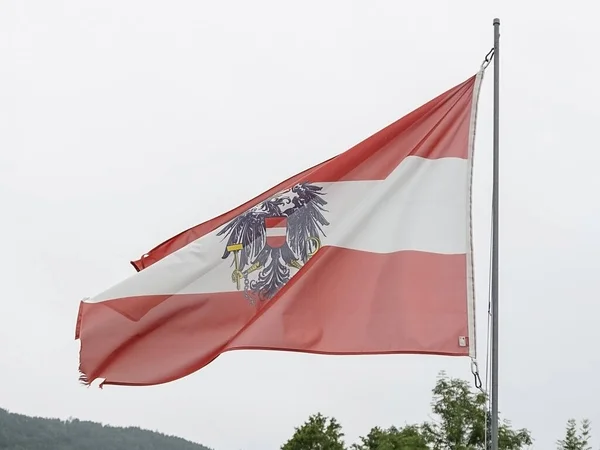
(236, 276)
(295, 263)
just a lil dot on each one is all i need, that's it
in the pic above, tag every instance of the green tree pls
(317, 433)
(407, 438)
(461, 420)
(576, 439)
(19, 432)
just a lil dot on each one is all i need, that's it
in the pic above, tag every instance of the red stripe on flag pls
(349, 302)
(275, 222)
(438, 129)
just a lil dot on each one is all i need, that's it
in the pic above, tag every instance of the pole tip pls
(496, 21)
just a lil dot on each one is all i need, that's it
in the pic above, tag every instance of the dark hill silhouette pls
(19, 432)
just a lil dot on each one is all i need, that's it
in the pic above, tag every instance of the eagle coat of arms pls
(272, 238)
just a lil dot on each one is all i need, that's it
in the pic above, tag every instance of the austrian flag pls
(366, 253)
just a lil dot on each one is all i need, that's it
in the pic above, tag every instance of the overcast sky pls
(124, 122)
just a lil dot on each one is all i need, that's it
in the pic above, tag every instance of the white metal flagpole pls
(495, 204)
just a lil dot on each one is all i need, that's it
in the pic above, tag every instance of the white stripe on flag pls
(421, 206)
(274, 232)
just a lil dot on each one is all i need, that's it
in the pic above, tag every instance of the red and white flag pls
(366, 253)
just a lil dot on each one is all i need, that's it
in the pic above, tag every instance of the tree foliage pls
(576, 438)
(459, 422)
(407, 438)
(462, 420)
(19, 432)
(317, 433)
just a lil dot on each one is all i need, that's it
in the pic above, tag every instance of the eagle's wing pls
(249, 230)
(307, 220)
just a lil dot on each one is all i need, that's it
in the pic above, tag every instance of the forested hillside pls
(19, 432)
